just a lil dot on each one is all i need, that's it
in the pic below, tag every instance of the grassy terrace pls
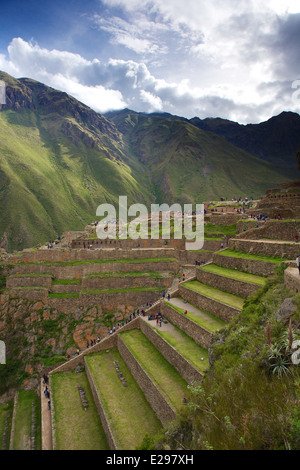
(250, 256)
(204, 319)
(186, 346)
(74, 428)
(161, 372)
(100, 261)
(215, 294)
(234, 274)
(152, 274)
(27, 399)
(129, 414)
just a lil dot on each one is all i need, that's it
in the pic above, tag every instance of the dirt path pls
(46, 421)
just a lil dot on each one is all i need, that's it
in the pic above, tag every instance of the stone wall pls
(33, 294)
(273, 229)
(185, 369)
(53, 255)
(225, 219)
(199, 334)
(225, 312)
(30, 281)
(124, 282)
(233, 286)
(159, 404)
(266, 248)
(78, 271)
(261, 268)
(128, 244)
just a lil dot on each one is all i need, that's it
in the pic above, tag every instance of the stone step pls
(282, 249)
(221, 304)
(125, 413)
(230, 280)
(246, 262)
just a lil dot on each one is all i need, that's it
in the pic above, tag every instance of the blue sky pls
(236, 59)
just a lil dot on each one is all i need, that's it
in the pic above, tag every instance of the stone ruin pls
(83, 397)
(116, 364)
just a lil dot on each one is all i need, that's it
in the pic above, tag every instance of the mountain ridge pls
(59, 160)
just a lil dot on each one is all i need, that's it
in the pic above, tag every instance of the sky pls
(234, 59)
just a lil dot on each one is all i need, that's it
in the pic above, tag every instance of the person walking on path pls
(298, 263)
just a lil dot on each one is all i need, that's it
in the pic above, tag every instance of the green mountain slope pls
(58, 161)
(186, 164)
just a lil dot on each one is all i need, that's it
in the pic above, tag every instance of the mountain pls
(59, 160)
(276, 140)
(187, 164)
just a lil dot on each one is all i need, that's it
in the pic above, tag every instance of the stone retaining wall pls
(283, 250)
(261, 268)
(233, 286)
(225, 312)
(53, 255)
(80, 270)
(199, 334)
(18, 281)
(185, 369)
(159, 404)
(127, 244)
(100, 409)
(32, 294)
(274, 229)
(125, 282)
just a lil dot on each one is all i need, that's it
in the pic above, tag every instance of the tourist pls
(296, 238)
(298, 263)
(164, 294)
(183, 277)
(169, 297)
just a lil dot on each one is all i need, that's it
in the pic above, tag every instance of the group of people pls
(46, 391)
(51, 243)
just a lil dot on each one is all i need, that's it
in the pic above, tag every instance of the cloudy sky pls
(236, 59)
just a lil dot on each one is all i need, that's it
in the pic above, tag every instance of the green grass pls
(128, 412)
(215, 294)
(6, 412)
(206, 320)
(161, 372)
(186, 346)
(250, 256)
(234, 274)
(75, 429)
(23, 420)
